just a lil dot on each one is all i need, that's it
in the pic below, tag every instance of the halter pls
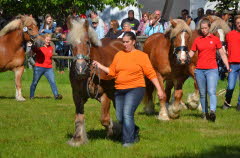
(96, 71)
(25, 30)
(180, 48)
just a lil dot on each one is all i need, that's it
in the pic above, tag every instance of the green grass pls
(41, 127)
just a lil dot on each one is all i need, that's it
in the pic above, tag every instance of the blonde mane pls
(181, 25)
(78, 32)
(217, 23)
(17, 24)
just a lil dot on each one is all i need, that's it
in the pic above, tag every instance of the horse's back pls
(157, 47)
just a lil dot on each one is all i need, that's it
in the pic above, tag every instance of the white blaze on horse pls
(12, 54)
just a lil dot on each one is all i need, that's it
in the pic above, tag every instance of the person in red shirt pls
(128, 68)
(233, 45)
(43, 66)
(206, 72)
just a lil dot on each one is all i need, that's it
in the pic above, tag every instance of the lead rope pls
(90, 80)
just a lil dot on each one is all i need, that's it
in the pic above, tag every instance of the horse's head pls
(180, 35)
(24, 24)
(81, 37)
(29, 27)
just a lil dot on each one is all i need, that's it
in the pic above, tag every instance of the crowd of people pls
(126, 71)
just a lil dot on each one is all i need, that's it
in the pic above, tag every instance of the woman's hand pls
(96, 64)
(160, 94)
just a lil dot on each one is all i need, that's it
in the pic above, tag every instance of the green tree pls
(226, 5)
(58, 8)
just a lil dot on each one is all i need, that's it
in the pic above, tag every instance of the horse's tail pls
(149, 97)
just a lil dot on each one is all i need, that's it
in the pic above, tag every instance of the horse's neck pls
(15, 37)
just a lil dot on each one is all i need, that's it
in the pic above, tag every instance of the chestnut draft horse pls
(12, 54)
(87, 81)
(169, 56)
(219, 28)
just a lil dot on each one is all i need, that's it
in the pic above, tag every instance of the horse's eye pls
(30, 29)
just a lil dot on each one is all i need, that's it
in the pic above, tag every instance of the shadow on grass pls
(97, 134)
(4, 97)
(215, 152)
(144, 113)
(192, 115)
(43, 97)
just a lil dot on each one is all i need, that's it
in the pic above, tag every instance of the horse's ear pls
(174, 24)
(189, 21)
(210, 18)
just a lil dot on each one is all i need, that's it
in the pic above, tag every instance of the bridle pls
(26, 30)
(87, 69)
(179, 48)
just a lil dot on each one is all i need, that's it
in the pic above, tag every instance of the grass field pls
(41, 127)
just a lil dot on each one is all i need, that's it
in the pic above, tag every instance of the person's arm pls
(224, 58)
(191, 53)
(151, 74)
(158, 87)
(100, 66)
(41, 29)
(147, 29)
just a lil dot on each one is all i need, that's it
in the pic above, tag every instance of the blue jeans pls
(207, 80)
(127, 101)
(232, 79)
(37, 74)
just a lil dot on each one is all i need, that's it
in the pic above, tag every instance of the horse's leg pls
(148, 98)
(193, 99)
(163, 113)
(174, 108)
(80, 135)
(168, 89)
(105, 114)
(18, 77)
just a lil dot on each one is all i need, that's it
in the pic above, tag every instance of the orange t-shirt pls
(129, 68)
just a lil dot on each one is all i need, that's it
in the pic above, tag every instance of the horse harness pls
(179, 48)
(26, 30)
(96, 70)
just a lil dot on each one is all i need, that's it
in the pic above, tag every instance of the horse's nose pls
(81, 66)
(183, 56)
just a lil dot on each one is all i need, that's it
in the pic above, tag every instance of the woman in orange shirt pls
(128, 68)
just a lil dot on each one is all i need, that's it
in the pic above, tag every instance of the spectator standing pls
(200, 14)
(113, 32)
(43, 66)
(143, 24)
(128, 68)
(233, 46)
(94, 15)
(185, 17)
(99, 30)
(59, 43)
(161, 20)
(206, 72)
(153, 26)
(48, 26)
(126, 28)
(134, 23)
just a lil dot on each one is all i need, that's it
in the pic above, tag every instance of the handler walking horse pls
(169, 56)
(88, 82)
(219, 28)
(12, 54)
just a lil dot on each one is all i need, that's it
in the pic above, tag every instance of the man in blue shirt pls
(99, 30)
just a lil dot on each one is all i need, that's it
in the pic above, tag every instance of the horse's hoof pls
(149, 111)
(20, 99)
(163, 117)
(199, 107)
(173, 112)
(183, 105)
(76, 143)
